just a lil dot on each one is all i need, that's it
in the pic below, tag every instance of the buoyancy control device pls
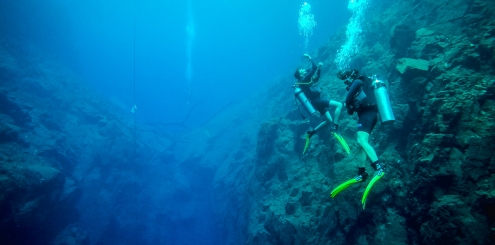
(382, 100)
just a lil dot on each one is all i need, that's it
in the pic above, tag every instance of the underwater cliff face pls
(75, 170)
(438, 60)
(56, 136)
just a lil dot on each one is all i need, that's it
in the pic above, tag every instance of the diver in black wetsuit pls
(361, 99)
(307, 82)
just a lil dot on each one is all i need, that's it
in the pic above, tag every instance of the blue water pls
(171, 57)
(238, 47)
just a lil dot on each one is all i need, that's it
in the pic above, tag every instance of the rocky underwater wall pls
(64, 152)
(75, 170)
(68, 158)
(438, 59)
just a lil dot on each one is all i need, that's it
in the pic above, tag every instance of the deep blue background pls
(239, 47)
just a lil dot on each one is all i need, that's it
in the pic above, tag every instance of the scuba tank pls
(313, 114)
(382, 100)
(304, 101)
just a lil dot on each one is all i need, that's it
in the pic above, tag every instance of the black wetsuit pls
(312, 91)
(361, 99)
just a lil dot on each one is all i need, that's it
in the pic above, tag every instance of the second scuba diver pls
(308, 94)
(362, 99)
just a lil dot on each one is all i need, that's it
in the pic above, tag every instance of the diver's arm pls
(316, 77)
(355, 86)
(308, 76)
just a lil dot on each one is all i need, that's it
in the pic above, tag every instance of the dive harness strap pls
(310, 82)
(376, 177)
(344, 185)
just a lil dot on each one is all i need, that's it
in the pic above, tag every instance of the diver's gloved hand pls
(307, 56)
(311, 133)
(334, 127)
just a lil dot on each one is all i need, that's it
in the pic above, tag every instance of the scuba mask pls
(300, 73)
(348, 77)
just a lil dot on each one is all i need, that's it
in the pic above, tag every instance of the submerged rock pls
(410, 67)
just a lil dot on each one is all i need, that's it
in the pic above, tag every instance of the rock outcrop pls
(437, 58)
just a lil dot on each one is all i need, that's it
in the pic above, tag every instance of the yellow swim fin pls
(368, 188)
(307, 143)
(342, 141)
(344, 185)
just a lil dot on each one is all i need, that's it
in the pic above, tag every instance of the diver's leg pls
(362, 140)
(361, 157)
(322, 124)
(338, 109)
(366, 122)
(321, 105)
(328, 117)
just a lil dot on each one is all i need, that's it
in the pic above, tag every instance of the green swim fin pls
(307, 143)
(368, 188)
(342, 141)
(344, 185)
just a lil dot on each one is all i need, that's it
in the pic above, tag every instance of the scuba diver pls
(368, 97)
(308, 94)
